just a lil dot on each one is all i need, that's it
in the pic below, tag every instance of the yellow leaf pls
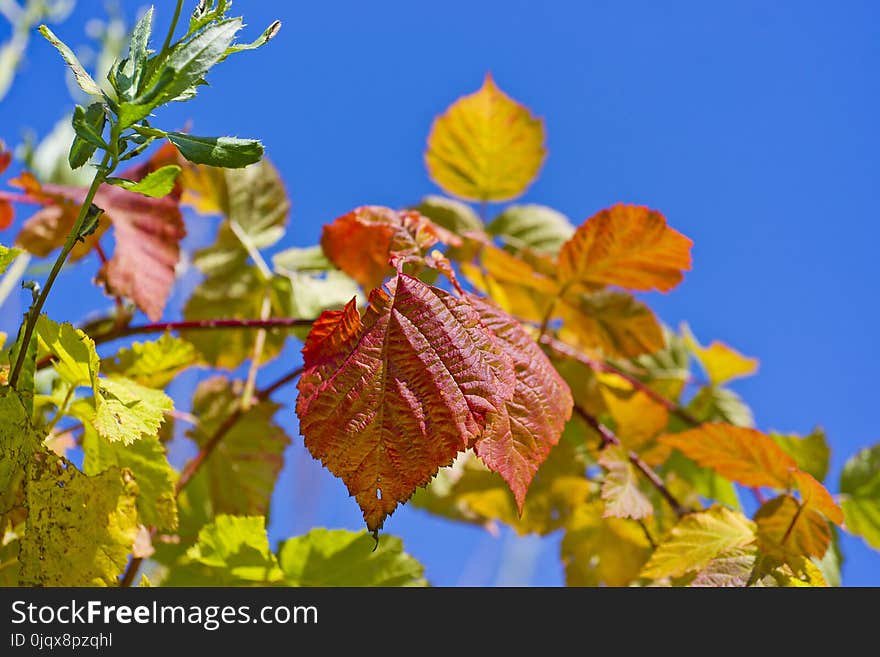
(525, 289)
(620, 486)
(598, 550)
(740, 454)
(629, 246)
(486, 147)
(637, 417)
(720, 362)
(615, 322)
(697, 539)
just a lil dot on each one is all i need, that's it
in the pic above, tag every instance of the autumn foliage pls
(487, 370)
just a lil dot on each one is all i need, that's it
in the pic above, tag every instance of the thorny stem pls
(34, 312)
(193, 465)
(608, 438)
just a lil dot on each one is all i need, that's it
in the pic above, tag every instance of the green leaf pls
(89, 126)
(697, 539)
(191, 60)
(126, 411)
(298, 259)
(129, 80)
(25, 386)
(83, 79)
(231, 551)
(7, 255)
(268, 34)
(72, 351)
(448, 213)
(811, 453)
(535, 227)
(155, 184)
(227, 152)
(147, 461)
(860, 495)
(254, 203)
(18, 440)
(337, 557)
(80, 530)
(714, 404)
(241, 471)
(237, 294)
(207, 11)
(153, 364)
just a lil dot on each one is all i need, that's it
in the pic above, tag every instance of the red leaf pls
(147, 231)
(537, 413)
(6, 211)
(387, 399)
(365, 241)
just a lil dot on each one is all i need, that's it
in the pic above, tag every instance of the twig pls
(608, 438)
(201, 325)
(602, 366)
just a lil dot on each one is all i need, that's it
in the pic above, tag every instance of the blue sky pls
(751, 125)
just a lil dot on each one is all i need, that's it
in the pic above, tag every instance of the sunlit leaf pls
(720, 362)
(628, 246)
(535, 227)
(241, 471)
(697, 539)
(147, 461)
(620, 486)
(80, 529)
(811, 452)
(597, 550)
(364, 242)
(125, 411)
(860, 493)
(153, 364)
(743, 455)
(231, 551)
(788, 530)
(486, 147)
(537, 412)
(155, 184)
(388, 399)
(337, 557)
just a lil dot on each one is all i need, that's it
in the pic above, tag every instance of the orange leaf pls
(537, 413)
(486, 147)
(364, 242)
(743, 455)
(626, 245)
(787, 530)
(815, 495)
(387, 399)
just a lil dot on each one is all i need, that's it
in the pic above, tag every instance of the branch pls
(193, 465)
(201, 325)
(601, 366)
(608, 438)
